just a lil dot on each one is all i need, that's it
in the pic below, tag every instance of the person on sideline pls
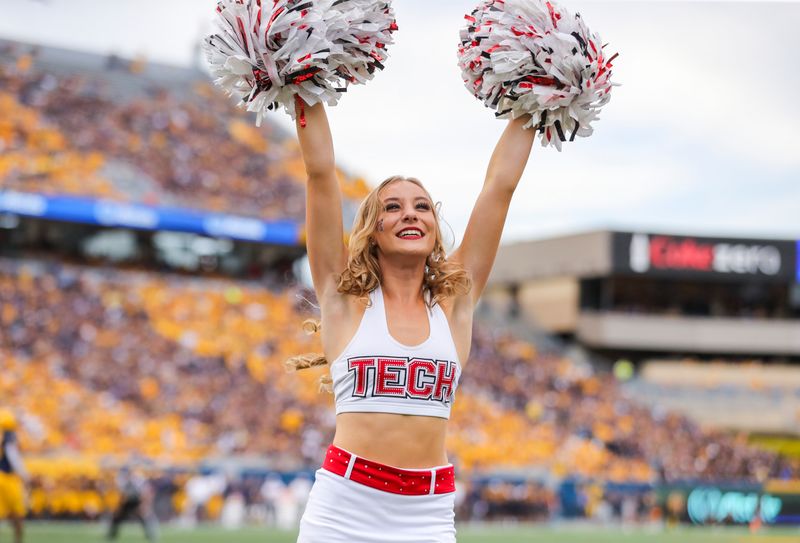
(136, 501)
(13, 476)
(396, 325)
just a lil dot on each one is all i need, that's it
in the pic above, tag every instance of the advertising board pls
(692, 257)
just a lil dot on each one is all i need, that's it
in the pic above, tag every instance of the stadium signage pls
(133, 216)
(235, 227)
(144, 217)
(665, 255)
(22, 203)
(709, 504)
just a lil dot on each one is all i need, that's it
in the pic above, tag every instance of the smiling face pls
(407, 222)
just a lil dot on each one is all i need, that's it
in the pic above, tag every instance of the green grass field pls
(131, 533)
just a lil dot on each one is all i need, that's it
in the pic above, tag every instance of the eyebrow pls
(394, 199)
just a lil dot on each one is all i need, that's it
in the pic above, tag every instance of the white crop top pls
(378, 374)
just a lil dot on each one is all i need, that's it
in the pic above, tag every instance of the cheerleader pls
(396, 325)
(396, 310)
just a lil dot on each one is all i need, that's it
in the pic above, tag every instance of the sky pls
(700, 138)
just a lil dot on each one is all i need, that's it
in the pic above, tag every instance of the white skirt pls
(342, 511)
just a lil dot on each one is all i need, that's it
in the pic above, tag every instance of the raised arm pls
(324, 231)
(482, 237)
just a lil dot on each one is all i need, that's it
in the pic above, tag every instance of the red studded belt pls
(409, 482)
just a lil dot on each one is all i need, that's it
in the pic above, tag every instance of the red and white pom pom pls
(364, 29)
(276, 52)
(532, 57)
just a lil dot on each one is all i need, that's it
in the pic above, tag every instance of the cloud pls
(719, 74)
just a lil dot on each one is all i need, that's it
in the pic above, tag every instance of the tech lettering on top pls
(378, 374)
(401, 377)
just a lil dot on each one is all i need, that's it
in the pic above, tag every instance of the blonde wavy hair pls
(362, 274)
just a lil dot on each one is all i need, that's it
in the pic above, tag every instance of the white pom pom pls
(364, 30)
(531, 57)
(268, 55)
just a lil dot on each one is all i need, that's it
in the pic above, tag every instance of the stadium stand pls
(75, 133)
(139, 345)
(744, 395)
(113, 344)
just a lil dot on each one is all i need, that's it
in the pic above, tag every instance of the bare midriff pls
(402, 441)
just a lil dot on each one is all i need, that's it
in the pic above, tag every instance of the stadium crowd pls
(585, 409)
(76, 134)
(115, 364)
(138, 341)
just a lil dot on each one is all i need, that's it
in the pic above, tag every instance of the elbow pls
(500, 187)
(320, 170)
(320, 176)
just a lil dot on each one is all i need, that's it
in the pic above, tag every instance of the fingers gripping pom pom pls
(531, 57)
(269, 53)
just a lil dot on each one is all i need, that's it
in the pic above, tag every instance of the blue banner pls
(144, 217)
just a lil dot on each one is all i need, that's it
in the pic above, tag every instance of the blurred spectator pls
(136, 502)
(13, 475)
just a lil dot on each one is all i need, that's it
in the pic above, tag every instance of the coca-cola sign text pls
(662, 253)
